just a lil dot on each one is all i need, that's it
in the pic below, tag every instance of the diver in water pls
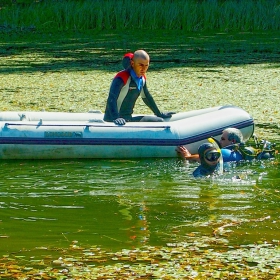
(209, 160)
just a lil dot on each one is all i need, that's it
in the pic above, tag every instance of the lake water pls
(119, 204)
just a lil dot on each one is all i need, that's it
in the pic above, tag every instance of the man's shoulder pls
(124, 75)
(200, 171)
(226, 151)
(231, 154)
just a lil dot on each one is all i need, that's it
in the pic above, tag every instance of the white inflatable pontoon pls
(57, 135)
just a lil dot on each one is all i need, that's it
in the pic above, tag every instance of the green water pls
(117, 204)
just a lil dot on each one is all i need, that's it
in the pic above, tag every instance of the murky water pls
(128, 203)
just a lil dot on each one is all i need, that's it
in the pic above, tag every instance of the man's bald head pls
(140, 63)
(140, 54)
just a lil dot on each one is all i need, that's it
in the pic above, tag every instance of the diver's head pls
(231, 136)
(209, 156)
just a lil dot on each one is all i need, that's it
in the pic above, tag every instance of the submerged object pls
(58, 135)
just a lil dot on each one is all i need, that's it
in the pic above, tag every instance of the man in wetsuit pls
(125, 89)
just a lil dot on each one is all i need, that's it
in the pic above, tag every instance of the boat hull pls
(91, 137)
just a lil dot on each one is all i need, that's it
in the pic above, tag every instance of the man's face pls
(212, 156)
(140, 66)
(224, 140)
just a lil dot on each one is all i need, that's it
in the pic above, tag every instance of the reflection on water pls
(117, 204)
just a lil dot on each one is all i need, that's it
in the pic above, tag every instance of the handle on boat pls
(86, 125)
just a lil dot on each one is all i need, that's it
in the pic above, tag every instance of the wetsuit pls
(202, 171)
(126, 87)
(231, 155)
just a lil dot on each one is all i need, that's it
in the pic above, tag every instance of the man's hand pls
(184, 153)
(119, 121)
(166, 115)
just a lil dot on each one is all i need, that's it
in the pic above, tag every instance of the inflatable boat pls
(58, 135)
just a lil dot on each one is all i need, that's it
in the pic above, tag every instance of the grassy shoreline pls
(191, 15)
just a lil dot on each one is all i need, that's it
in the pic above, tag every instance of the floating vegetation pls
(196, 259)
(65, 74)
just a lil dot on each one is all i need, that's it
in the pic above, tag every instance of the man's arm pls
(184, 153)
(111, 112)
(150, 102)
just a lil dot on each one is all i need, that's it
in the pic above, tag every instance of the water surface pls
(118, 204)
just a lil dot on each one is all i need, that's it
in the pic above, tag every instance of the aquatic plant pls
(189, 260)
